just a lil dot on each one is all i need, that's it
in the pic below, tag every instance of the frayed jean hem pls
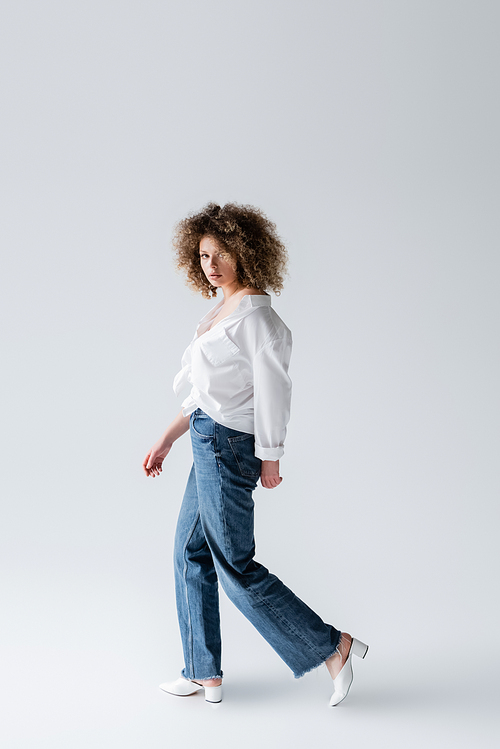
(319, 663)
(316, 665)
(200, 678)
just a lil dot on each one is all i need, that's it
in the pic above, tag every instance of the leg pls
(336, 662)
(226, 474)
(196, 589)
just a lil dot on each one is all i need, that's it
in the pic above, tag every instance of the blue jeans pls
(214, 541)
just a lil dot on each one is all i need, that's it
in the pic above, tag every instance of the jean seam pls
(220, 493)
(282, 619)
(184, 577)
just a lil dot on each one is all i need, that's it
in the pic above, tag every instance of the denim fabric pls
(214, 541)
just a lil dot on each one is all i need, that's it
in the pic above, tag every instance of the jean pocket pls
(202, 424)
(244, 454)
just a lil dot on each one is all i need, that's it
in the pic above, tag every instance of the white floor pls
(126, 709)
(83, 671)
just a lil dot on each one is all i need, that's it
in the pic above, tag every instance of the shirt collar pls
(255, 300)
(247, 302)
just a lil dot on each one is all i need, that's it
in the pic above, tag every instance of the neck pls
(231, 289)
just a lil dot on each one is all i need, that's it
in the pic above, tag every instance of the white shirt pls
(238, 372)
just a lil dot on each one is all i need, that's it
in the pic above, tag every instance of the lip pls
(215, 275)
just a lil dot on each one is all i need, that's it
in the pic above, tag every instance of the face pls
(216, 268)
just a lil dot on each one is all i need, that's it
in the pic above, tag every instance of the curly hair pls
(247, 239)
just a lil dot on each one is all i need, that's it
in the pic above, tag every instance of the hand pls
(153, 461)
(270, 474)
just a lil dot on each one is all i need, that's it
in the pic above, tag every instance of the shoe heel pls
(359, 648)
(213, 694)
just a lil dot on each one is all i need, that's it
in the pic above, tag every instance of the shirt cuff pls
(269, 453)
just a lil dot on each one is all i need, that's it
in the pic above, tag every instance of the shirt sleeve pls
(188, 406)
(272, 397)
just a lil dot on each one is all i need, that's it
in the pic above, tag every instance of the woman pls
(237, 410)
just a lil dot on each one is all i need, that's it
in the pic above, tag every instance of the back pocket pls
(243, 451)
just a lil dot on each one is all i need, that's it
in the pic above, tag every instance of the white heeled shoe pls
(343, 680)
(183, 687)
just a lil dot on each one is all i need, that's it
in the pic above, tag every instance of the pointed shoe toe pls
(184, 687)
(343, 680)
(181, 687)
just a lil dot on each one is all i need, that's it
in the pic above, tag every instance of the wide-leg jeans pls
(214, 542)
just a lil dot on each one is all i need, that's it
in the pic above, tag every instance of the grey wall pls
(368, 132)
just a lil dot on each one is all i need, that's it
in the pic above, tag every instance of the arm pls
(152, 463)
(272, 396)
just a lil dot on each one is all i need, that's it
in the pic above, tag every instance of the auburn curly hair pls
(247, 239)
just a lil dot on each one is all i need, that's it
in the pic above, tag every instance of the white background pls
(368, 131)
